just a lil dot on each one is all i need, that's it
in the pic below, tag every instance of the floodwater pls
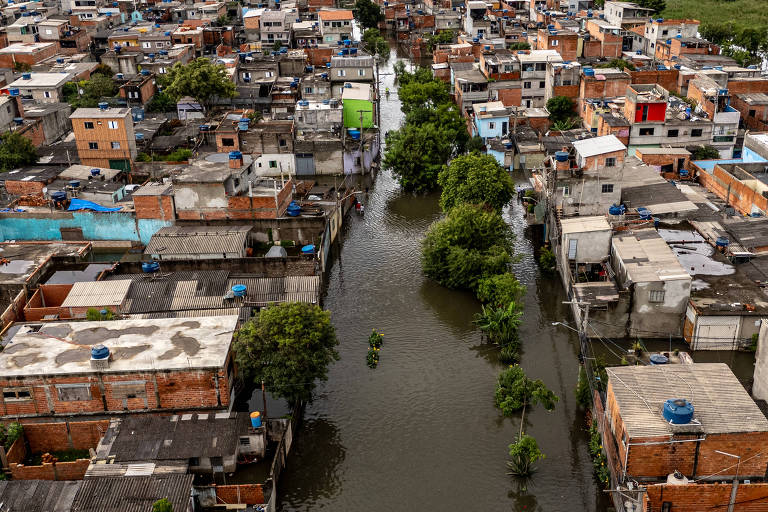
(421, 432)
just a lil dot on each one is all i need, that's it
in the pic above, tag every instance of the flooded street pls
(421, 432)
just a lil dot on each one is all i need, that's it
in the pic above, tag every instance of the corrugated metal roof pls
(720, 402)
(177, 240)
(161, 438)
(598, 146)
(132, 494)
(97, 293)
(37, 495)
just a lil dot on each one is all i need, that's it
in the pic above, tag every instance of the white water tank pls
(677, 478)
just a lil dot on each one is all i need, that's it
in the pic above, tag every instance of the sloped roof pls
(335, 15)
(133, 493)
(198, 240)
(598, 146)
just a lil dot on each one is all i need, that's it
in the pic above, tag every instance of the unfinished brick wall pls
(701, 496)
(249, 494)
(24, 188)
(188, 389)
(154, 207)
(60, 436)
(667, 78)
(17, 452)
(733, 191)
(51, 471)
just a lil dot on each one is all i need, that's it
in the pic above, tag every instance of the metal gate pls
(305, 164)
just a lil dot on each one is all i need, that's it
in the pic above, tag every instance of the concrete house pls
(335, 25)
(141, 367)
(39, 87)
(647, 268)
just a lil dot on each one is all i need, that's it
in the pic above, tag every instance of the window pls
(696, 132)
(491, 126)
(237, 182)
(115, 145)
(159, 44)
(610, 162)
(526, 85)
(664, 32)
(227, 142)
(307, 90)
(16, 394)
(73, 392)
(656, 296)
(47, 94)
(93, 145)
(646, 131)
(672, 133)
(342, 73)
(360, 72)
(194, 461)
(566, 190)
(607, 188)
(282, 143)
(245, 441)
(112, 125)
(751, 113)
(666, 506)
(146, 44)
(273, 164)
(88, 125)
(542, 85)
(555, 42)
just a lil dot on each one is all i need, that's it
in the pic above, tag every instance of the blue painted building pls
(490, 120)
(33, 225)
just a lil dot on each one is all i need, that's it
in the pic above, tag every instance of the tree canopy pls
(100, 86)
(162, 505)
(560, 108)
(500, 289)
(470, 243)
(288, 346)
(375, 43)
(16, 151)
(200, 79)
(514, 390)
(656, 5)
(475, 179)
(423, 95)
(705, 152)
(368, 13)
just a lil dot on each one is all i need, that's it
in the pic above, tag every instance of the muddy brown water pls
(420, 432)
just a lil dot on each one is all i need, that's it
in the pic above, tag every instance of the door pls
(123, 165)
(305, 164)
(717, 333)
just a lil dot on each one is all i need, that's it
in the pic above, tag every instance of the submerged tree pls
(288, 346)
(524, 452)
(475, 179)
(368, 13)
(470, 243)
(515, 391)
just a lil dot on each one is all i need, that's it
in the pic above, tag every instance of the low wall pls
(51, 471)
(248, 494)
(268, 267)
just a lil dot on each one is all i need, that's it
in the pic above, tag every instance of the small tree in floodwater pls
(524, 452)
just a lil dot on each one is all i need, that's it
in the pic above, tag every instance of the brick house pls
(653, 438)
(26, 53)
(104, 137)
(152, 365)
(154, 201)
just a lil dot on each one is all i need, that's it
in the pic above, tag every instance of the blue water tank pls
(354, 134)
(74, 183)
(103, 105)
(561, 156)
(616, 209)
(14, 92)
(722, 241)
(678, 411)
(26, 76)
(242, 125)
(645, 213)
(293, 210)
(589, 72)
(658, 359)
(150, 267)
(308, 249)
(59, 196)
(256, 419)
(95, 172)
(239, 290)
(235, 155)
(99, 352)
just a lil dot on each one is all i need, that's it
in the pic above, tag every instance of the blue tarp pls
(79, 204)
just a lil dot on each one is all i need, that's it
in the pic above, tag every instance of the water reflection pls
(455, 309)
(319, 440)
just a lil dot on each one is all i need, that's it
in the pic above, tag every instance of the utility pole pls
(264, 398)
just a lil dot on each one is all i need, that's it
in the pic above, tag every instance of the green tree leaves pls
(560, 108)
(200, 79)
(16, 151)
(288, 346)
(514, 390)
(475, 179)
(705, 152)
(470, 243)
(368, 13)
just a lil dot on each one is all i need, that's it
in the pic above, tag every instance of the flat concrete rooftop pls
(136, 345)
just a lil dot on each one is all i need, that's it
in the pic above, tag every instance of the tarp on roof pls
(80, 204)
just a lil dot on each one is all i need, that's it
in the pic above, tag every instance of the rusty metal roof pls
(132, 494)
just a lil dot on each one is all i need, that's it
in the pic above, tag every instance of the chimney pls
(235, 159)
